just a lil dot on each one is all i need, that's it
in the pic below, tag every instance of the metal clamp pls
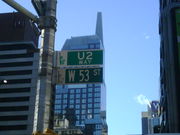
(47, 22)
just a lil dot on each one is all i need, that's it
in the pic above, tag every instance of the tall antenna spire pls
(99, 28)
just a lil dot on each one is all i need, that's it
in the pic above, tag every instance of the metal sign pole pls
(48, 28)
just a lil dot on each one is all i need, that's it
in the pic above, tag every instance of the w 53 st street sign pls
(80, 75)
(79, 66)
(81, 57)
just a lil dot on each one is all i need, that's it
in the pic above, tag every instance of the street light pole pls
(45, 93)
(46, 22)
(21, 9)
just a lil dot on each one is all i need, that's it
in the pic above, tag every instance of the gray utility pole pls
(46, 22)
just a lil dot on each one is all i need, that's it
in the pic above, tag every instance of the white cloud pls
(143, 100)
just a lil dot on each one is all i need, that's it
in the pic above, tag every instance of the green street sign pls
(80, 75)
(81, 57)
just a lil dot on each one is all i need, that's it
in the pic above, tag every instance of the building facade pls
(144, 121)
(84, 105)
(150, 119)
(19, 62)
(169, 65)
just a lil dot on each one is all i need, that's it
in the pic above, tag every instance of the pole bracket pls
(47, 22)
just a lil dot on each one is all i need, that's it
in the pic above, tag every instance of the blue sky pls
(131, 43)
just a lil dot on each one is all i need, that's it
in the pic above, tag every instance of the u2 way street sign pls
(80, 75)
(81, 57)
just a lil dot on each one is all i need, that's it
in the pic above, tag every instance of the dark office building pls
(87, 102)
(19, 61)
(150, 119)
(169, 30)
(144, 121)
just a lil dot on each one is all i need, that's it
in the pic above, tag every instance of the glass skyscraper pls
(84, 105)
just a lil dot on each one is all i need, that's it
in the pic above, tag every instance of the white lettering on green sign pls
(84, 74)
(81, 57)
(97, 72)
(71, 75)
(84, 58)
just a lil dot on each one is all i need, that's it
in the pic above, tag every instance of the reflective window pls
(97, 85)
(72, 91)
(89, 105)
(92, 46)
(57, 111)
(57, 107)
(98, 126)
(58, 90)
(89, 110)
(83, 116)
(77, 101)
(89, 100)
(77, 112)
(72, 96)
(77, 106)
(77, 116)
(77, 86)
(96, 110)
(89, 89)
(97, 105)
(83, 106)
(97, 46)
(96, 116)
(96, 99)
(83, 100)
(65, 95)
(77, 95)
(89, 116)
(83, 111)
(97, 89)
(58, 96)
(57, 101)
(83, 90)
(97, 94)
(64, 106)
(90, 85)
(77, 90)
(72, 101)
(63, 111)
(83, 95)
(65, 101)
(89, 94)
(71, 106)
(77, 122)
(98, 132)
